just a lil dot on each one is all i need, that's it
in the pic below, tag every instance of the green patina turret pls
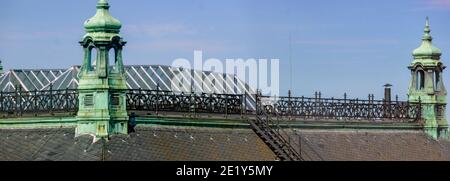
(102, 86)
(427, 86)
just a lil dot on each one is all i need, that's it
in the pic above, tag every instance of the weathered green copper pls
(427, 86)
(102, 99)
(427, 50)
(103, 21)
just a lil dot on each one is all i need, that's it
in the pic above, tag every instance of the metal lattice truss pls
(147, 77)
(30, 80)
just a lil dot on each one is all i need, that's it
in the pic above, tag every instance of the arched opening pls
(437, 81)
(93, 59)
(420, 78)
(112, 58)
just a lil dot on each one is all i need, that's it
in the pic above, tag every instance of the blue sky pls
(352, 46)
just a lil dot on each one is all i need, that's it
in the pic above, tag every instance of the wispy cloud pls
(428, 5)
(347, 42)
(185, 45)
(19, 35)
(13, 38)
(175, 37)
(439, 3)
(160, 30)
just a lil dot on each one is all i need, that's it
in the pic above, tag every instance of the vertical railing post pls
(314, 110)
(242, 104)
(358, 111)
(303, 107)
(51, 99)
(157, 99)
(226, 105)
(245, 104)
(138, 106)
(320, 107)
(333, 110)
(191, 103)
(373, 106)
(370, 106)
(67, 99)
(19, 100)
(388, 108)
(2, 108)
(35, 97)
(407, 109)
(16, 101)
(319, 112)
(195, 103)
(396, 107)
(344, 107)
(211, 107)
(290, 105)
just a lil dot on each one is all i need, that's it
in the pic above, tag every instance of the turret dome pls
(427, 49)
(102, 21)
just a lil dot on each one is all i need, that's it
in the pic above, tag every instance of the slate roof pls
(152, 143)
(47, 144)
(176, 143)
(370, 145)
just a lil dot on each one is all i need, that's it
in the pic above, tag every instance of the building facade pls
(104, 110)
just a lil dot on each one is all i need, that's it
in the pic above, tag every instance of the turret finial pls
(102, 4)
(426, 49)
(427, 30)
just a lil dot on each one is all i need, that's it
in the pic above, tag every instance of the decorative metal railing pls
(20, 103)
(338, 109)
(159, 101)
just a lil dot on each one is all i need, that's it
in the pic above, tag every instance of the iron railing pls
(20, 103)
(168, 101)
(341, 109)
